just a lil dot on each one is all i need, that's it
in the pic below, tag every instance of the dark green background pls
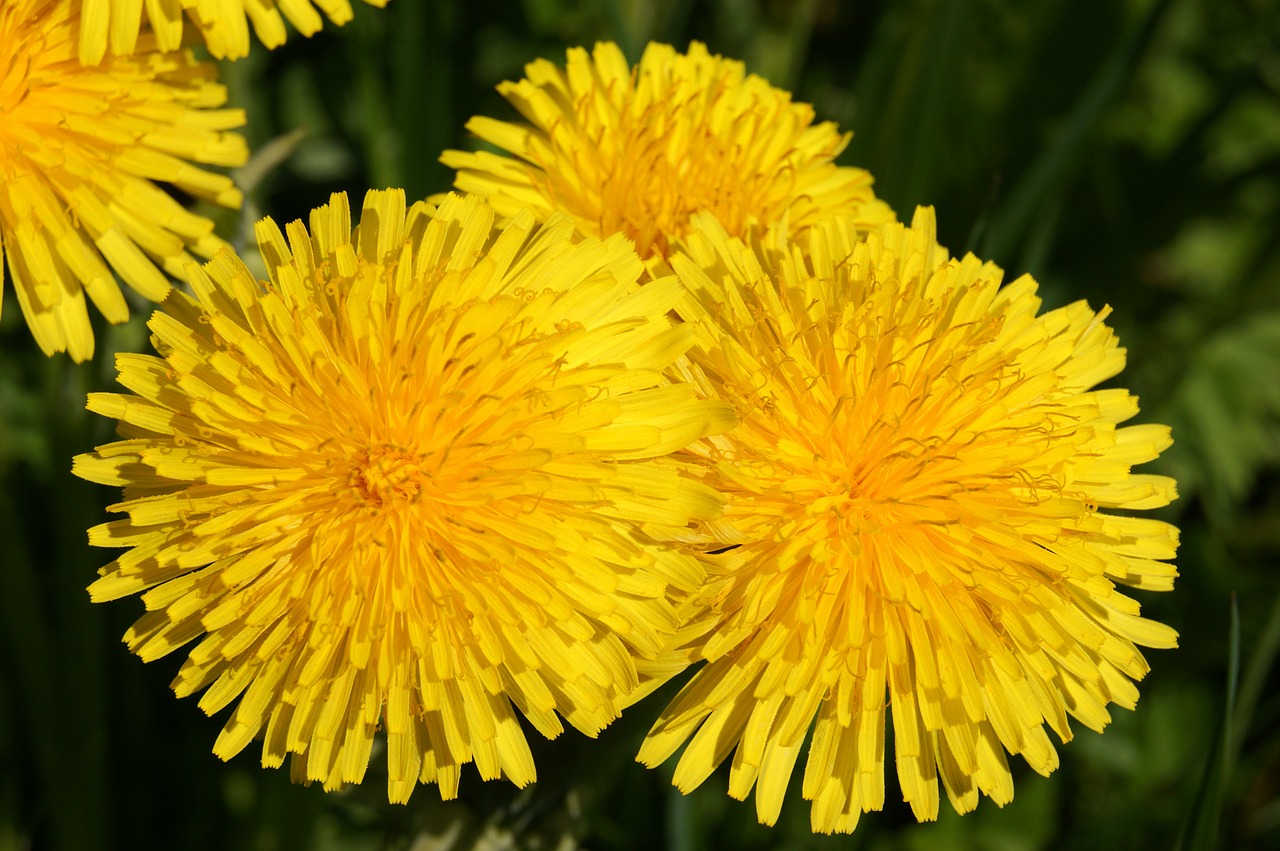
(1123, 152)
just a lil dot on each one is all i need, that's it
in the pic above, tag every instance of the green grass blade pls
(907, 89)
(1006, 232)
(1254, 681)
(1201, 832)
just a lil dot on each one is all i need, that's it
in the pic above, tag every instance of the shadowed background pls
(1127, 153)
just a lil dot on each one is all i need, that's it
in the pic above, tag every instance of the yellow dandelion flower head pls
(923, 488)
(115, 26)
(79, 151)
(639, 151)
(413, 481)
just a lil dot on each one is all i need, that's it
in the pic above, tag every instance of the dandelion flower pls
(639, 151)
(415, 481)
(923, 488)
(223, 24)
(79, 151)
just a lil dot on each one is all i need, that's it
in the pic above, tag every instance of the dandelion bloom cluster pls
(79, 151)
(639, 151)
(922, 492)
(115, 26)
(415, 481)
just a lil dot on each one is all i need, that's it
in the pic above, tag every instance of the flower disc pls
(415, 481)
(640, 151)
(79, 151)
(921, 492)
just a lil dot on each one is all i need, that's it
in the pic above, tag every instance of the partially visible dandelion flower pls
(115, 26)
(80, 149)
(923, 491)
(414, 482)
(639, 151)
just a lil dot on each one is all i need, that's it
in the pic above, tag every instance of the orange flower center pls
(652, 191)
(387, 474)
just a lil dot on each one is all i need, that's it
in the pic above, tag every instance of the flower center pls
(652, 193)
(386, 474)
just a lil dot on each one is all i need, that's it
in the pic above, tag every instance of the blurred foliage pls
(1123, 152)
